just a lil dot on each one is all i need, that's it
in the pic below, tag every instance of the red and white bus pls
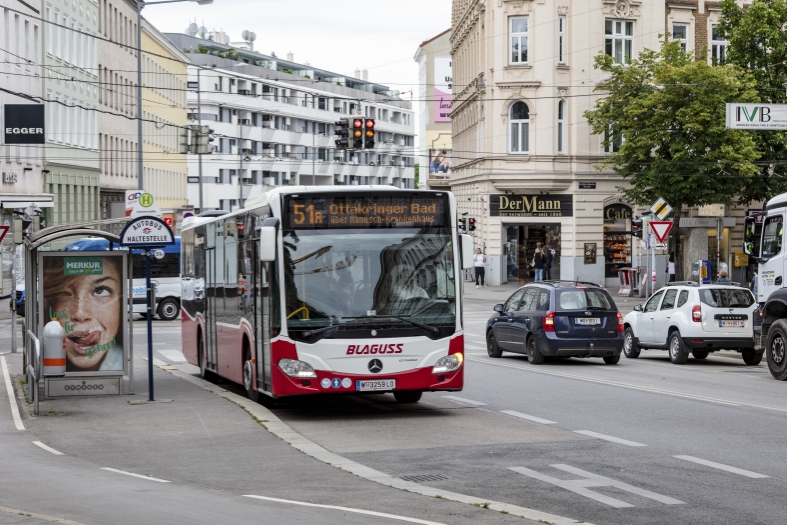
(311, 290)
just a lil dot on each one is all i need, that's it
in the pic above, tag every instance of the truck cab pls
(764, 241)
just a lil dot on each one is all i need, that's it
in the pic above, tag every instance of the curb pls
(278, 428)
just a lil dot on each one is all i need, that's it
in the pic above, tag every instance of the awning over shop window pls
(22, 200)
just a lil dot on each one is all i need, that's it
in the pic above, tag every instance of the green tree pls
(664, 116)
(758, 41)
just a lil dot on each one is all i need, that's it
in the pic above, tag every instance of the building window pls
(718, 47)
(561, 40)
(519, 39)
(613, 142)
(680, 33)
(561, 128)
(619, 40)
(519, 139)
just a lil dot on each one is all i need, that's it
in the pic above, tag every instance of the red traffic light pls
(358, 123)
(369, 123)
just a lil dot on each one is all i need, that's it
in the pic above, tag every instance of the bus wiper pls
(330, 326)
(405, 319)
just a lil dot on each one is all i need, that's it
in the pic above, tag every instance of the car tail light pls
(696, 313)
(549, 322)
(620, 323)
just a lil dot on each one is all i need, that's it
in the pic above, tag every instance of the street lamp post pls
(140, 5)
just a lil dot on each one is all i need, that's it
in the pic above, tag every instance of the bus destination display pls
(383, 211)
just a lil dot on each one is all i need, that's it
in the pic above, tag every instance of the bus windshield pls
(369, 278)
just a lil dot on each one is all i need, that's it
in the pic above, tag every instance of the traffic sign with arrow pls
(661, 229)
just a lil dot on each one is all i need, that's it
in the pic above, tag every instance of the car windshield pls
(390, 277)
(582, 300)
(726, 297)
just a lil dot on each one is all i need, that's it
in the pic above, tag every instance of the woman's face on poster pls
(91, 306)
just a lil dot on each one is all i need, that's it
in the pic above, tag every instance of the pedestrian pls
(539, 258)
(548, 264)
(723, 278)
(480, 267)
(753, 283)
(671, 267)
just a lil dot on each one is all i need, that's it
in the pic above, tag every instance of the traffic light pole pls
(199, 120)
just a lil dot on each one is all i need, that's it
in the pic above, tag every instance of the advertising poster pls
(86, 295)
(443, 90)
(439, 163)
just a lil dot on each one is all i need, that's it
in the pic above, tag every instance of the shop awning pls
(23, 200)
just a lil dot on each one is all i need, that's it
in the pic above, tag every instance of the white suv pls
(687, 317)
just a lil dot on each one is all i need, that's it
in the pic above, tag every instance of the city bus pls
(164, 272)
(313, 290)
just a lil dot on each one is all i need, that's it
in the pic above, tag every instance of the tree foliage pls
(757, 37)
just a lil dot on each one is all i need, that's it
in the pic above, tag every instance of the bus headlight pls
(449, 363)
(294, 368)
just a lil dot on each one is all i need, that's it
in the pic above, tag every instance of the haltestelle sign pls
(148, 232)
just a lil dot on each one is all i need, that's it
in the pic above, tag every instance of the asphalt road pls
(641, 442)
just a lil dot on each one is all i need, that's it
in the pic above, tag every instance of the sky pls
(337, 35)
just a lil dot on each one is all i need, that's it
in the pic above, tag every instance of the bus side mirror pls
(268, 243)
(466, 245)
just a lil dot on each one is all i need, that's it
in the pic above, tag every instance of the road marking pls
(529, 418)
(465, 401)
(48, 449)
(720, 466)
(474, 347)
(345, 509)
(42, 517)
(11, 396)
(609, 438)
(173, 355)
(149, 478)
(581, 486)
(619, 384)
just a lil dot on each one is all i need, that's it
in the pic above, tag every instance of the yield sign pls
(661, 229)
(3, 231)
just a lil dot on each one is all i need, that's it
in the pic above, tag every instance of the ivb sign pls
(757, 116)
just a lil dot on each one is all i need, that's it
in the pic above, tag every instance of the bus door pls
(262, 322)
(211, 291)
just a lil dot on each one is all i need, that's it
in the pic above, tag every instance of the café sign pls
(531, 205)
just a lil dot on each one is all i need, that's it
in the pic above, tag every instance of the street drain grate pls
(419, 478)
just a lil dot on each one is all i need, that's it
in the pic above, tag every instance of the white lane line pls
(149, 478)
(464, 401)
(11, 396)
(175, 356)
(473, 335)
(721, 466)
(529, 418)
(345, 509)
(48, 449)
(474, 346)
(622, 385)
(609, 438)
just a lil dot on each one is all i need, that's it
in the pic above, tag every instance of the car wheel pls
(168, 309)
(533, 355)
(776, 350)
(612, 359)
(630, 348)
(750, 357)
(700, 354)
(492, 347)
(407, 396)
(676, 353)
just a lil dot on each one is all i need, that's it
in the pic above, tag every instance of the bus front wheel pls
(407, 396)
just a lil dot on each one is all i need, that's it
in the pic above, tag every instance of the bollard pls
(54, 349)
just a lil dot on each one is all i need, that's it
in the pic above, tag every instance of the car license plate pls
(375, 384)
(588, 320)
(731, 324)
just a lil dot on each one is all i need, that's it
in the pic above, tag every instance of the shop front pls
(617, 239)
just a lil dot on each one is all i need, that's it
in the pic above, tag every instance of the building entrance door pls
(520, 248)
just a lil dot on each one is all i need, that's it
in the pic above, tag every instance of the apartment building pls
(70, 87)
(117, 74)
(164, 110)
(435, 88)
(273, 123)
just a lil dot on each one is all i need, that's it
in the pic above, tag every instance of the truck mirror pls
(750, 236)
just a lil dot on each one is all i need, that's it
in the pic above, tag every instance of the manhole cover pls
(420, 478)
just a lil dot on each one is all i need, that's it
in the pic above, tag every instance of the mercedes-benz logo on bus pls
(375, 366)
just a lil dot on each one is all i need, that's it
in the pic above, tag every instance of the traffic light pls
(636, 228)
(201, 137)
(343, 133)
(462, 224)
(472, 224)
(369, 135)
(357, 133)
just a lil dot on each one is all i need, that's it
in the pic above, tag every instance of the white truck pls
(764, 241)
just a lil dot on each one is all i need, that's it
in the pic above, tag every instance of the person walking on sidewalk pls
(539, 260)
(480, 267)
(671, 267)
(548, 263)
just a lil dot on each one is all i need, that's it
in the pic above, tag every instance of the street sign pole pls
(151, 397)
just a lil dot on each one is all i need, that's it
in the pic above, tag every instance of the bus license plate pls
(732, 324)
(588, 320)
(375, 384)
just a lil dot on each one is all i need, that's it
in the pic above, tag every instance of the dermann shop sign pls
(531, 205)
